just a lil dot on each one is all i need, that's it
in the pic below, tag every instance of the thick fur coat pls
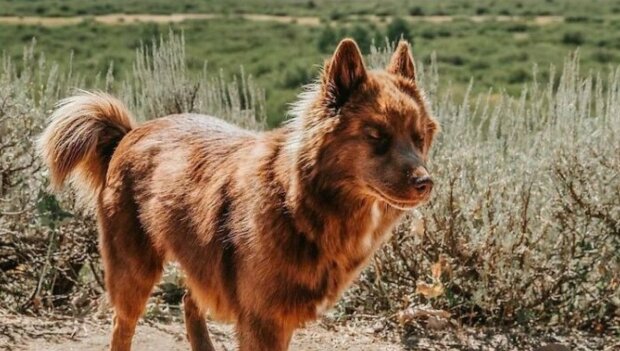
(269, 228)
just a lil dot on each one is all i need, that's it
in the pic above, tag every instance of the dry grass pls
(48, 247)
(524, 225)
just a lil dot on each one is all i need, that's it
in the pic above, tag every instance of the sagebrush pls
(48, 244)
(524, 223)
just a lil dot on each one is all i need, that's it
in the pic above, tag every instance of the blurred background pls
(518, 248)
(282, 43)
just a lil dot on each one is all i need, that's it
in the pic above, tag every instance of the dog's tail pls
(81, 138)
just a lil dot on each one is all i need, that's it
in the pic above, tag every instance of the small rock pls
(436, 323)
(377, 327)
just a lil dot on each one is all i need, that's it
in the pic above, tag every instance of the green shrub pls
(517, 27)
(577, 19)
(518, 76)
(363, 37)
(456, 60)
(295, 77)
(604, 56)
(573, 38)
(398, 28)
(416, 11)
(335, 15)
(327, 40)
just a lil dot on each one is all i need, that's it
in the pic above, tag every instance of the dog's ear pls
(402, 61)
(343, 73)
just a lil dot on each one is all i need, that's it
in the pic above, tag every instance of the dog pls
(268, 227)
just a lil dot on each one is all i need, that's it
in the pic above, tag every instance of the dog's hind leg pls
(132, 265)
(196, 326)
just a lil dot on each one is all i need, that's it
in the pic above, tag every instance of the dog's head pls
(370, 130)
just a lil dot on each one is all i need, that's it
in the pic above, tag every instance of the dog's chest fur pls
(315, 281)
(319, 257)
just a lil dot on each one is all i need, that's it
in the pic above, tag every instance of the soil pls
(121, 18)
(93, 335)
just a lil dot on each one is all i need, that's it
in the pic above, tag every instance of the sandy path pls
(156, 337)
(91, 333)
(120, 19)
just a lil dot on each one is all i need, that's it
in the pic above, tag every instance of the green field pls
(314, 7)
(498, 53)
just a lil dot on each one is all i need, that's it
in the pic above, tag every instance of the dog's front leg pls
(262, 334)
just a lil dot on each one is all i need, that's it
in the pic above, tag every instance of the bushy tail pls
(81, 138)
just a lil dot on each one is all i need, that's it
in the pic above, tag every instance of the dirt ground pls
(165, 331)
(312, 21)
(93, 335)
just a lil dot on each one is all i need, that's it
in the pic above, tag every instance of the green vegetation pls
(270, 52)
(326, 8)
(397, 29)
(497, 55)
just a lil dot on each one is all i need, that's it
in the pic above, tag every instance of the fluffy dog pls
(269, 228)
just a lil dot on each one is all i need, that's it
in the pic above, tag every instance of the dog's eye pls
(373, 133)
(380, 140)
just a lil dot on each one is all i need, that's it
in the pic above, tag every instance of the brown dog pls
(269, 228)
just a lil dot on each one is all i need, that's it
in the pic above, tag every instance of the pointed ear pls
(402, 61)
(344, 72)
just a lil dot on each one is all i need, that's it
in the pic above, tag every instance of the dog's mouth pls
(403, 205)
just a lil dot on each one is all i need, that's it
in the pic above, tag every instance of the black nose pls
(423, 184)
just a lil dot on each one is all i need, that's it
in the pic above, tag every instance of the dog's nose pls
(423, 184)
(421, 180)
